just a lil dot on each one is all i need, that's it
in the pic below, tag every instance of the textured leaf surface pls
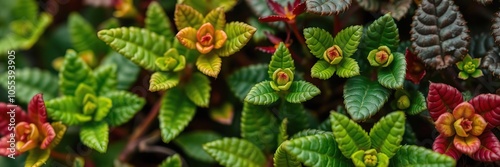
(442, 98)
(283, 134)
(83, 35)
(105, 77)
(393, 76)
(387, 133)
(488, 105)
(348, 39)
(495, 28)
(242, 80)
(14, 41)
(327, 7)
(298, 117)
(316, 151)
(37, 157)
(217, 18)
(163, 81)
(95, 135)
(157, 21)
(280, 59)
(31, 81)
(322, 70)
(172, 161)
(139, 45)
(235, 152)
(363, 98)
(489, 150)
(439, 33)
(347, 68)
(259, 126)
(262, 94)
(349, 135)
(64, 109)
(311, 132)
(492, 61)
(125, 106)
(209, 64)
(444, 145)
(410, 155)
(318, 40)
(60, 130)
(418, 103)
(186, 16)
(283, 159)
(192, 144)
(126, 70)
(198, 89)
(382, 32)
(73, 72)
(238, 35)
(301, 91)
(175, 113)
(398, 9)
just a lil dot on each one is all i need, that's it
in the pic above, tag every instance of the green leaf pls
(95, 135)
(157, 21)
(382, 32)
(59, 130)
(363, 98)
(186, 16)
(235, 152)
(316, 151)
(348, 39)
(175, 113)
(14, 41)
(125, 106)
(283, 159)
(83, 35)
(311, 132)
(262, 94)
(259, 126)
(409, 137)
(348, 67)
(172, 161)
(209, 64)
(105, 77)
(25, 10)
(393, 76)
(297, 116)
(418, 103)
(318, 40)
(301, 91)
(283, 135)
(207, 6)
(126, 70)
(238, 35)
(198, 89)
(102, 111)
(65, 109)
(327, 7)
(139, 45)
(242, 80)
(411, 155)
(37, 157)
(387, 133)
(349, 135)
(326, 125)
(31, 81)
(192, 144)
(280, 59)
(217, 18)
(73, 72)
(323, 70)
(163, 81)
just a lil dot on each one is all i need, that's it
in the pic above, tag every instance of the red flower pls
(287, 13)
(464, 127)
(415, 69)
(276, 41)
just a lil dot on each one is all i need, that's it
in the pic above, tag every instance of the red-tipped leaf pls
(276, 7)
(49, 133)
(266, 49)
(444, 145)
(36, 110)
(442, 98)
(299, 9)
(489, 150)
(5, 117)
(273, 18)
(488, 105)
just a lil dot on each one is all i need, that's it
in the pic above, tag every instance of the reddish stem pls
(337, 24)
(296, 32)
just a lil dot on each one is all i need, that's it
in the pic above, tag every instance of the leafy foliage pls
(175, 113)
(157, 22)
(243, 80)
(198, 89)
(262, 94)
(172, 161)
(382, 32)
(32, 81)
(95, 135)
(327, 7)
(410, 155)
(125, 106)
(192, 144)
(83, 35)
(387, 133)
(259, 126)
(235, 152)
(349, 135)
(393, 76)
(363, 98)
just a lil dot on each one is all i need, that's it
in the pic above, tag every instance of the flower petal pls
(220, 39)
(459, 129)
(206, 28)
(478, 125)
(442, 98)
(464, 110)
(23, 147)
(444, 124)
(36, 110)
(467, 145)
(187, 37)
(444, 145)
(489, 150)
(203, 49)
(49, 134)
(276, 7)
(299, 9)
(488, 106)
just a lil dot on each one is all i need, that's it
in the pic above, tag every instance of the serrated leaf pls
(318, 40)
(283, 134)
(417, 103)
(31, 81)
(157, 21)
(198, 89)
(489, 150)
(283, 159)
(492, 61)
(393, 76)
(440, 38)
(95, 135)
(311, 132)
(175, 113)
(139, 45)
(74, 72)
(217, 18)
(495, 28)
(186, 16)
(349, 135)
(397, 9)
(261, 9)
(382, 32)
(347, 68)
(323, 70)
(301, 91)
(37, 157)
(172, 161)
(105, 77)
(126, 70)
(369, 5)
(238, 35)
(348, 39)
(64, 109)
(163, 81)
(262, 94)
(259, 126)
(192, 144)
(363, 98)
(83, 35)
(125, 106)
(488, 106)
(316, 151)
(242, 80)
(326, 125)
(209, 64)
(235, 152)
(387, 133)
(444, 145)
(60, 130)
(410, 155)
(280, 59)
(327, 7)
(442, 98)
(296, 114)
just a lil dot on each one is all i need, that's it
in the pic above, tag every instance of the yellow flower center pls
(370, 160)
(381, 57)
(27, 136)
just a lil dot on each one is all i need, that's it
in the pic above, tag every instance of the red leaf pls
(274, 39)
(489, 150)
(444, 145)
(5, 148)
(19, 115)
(276, 7)
(415, 69)
(273, 18)
(442, 98)
(266, 49)
(36, 110)
(299, 9)
(49, 134)
(488, 106)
